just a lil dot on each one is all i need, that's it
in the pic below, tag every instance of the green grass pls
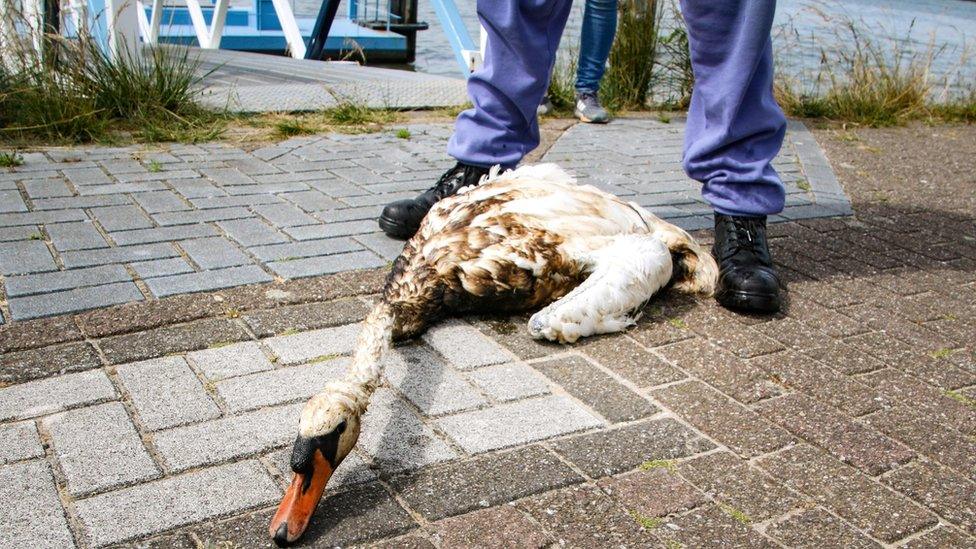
(350, 111)
(10, 160)
(403, 133)
(961, 398)
(35, 236)
(667, 464)
(942, 354)
(804, 185)
(291, 127)
(678, 323)
(75, 93)
(154, 166)
(628, 79)
(735, 513)
(644, 521)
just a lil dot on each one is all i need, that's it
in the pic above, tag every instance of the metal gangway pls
(124, 25)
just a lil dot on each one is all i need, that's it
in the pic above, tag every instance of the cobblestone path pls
(846, 421)
(83, 228)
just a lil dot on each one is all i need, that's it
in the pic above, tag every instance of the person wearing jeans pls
(734, 129)
(596, 38)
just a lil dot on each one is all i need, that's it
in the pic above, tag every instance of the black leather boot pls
(747, 279)
(402, 218)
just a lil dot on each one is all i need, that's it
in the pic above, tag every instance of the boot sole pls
(395, 229)
(745, 301)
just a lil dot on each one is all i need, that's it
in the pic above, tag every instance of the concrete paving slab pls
(518, 423)
(33, 517)
(98, 449)
(46, 396)
(166, 393)
(19, 441)
(176, 501)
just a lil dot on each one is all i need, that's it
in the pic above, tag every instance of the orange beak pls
(296, 508)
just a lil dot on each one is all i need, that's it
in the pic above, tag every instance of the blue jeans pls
(735, 128)
(596, 39)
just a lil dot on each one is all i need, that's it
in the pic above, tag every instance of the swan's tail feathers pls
(695, 270)
(623, 275)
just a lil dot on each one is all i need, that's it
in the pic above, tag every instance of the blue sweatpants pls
(735, 127)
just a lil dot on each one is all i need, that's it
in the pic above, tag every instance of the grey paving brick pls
(284, 215)
(75, 236)
(162, 234)
(596, 389)
(396, 439)
(227, 176)
(125, 254)
(23, 232)
(69, 301)
(251, 232)
(161, 201)
(46, 396)
(306, 346)
(67, 202)
(98, 448)
(32, 515)
(384, 246)
(312, 201)
(331, 230)
(46, 188)
(19, 441)
(505, 382)
(120, 188)
(41, 218)
(231, 437)
(226, 202)
(517, 423)
(196, 188)
(465, 346)
(161, 267)
(156, 176)
(207, 280)
(121, 218)
(314, 266)
(308, 248)
(166, 393)
(427, 381)
(62, 280)
(230, 360)
(86, 176)
(11, 201)
(200, 216)
(30, 256)
(214, 253)
(176, 501)
(280, 385)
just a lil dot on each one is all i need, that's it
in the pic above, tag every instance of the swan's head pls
(327, 432)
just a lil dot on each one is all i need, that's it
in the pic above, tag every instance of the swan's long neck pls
(366, 370)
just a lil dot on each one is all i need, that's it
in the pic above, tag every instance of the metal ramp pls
(252, 82)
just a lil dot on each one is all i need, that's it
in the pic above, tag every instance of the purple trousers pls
(734, 129)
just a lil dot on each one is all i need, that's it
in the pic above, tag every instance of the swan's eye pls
(341, 428)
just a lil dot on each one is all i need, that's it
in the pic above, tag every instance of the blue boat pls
(379, 36)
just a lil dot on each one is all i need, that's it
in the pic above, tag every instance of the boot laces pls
(450, 181)
(744, 236)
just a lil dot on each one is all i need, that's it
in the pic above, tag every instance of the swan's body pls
(520, 240)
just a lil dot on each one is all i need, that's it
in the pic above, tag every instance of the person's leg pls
(735, 127)
(596, 39)
(734, 130)
(523, 36)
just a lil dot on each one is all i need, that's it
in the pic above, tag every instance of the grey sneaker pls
(545, 107)
(589, 109)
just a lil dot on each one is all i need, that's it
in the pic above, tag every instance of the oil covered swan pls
(520, 240)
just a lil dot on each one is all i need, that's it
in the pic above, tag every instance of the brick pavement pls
(845, 421)
(82, 228)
